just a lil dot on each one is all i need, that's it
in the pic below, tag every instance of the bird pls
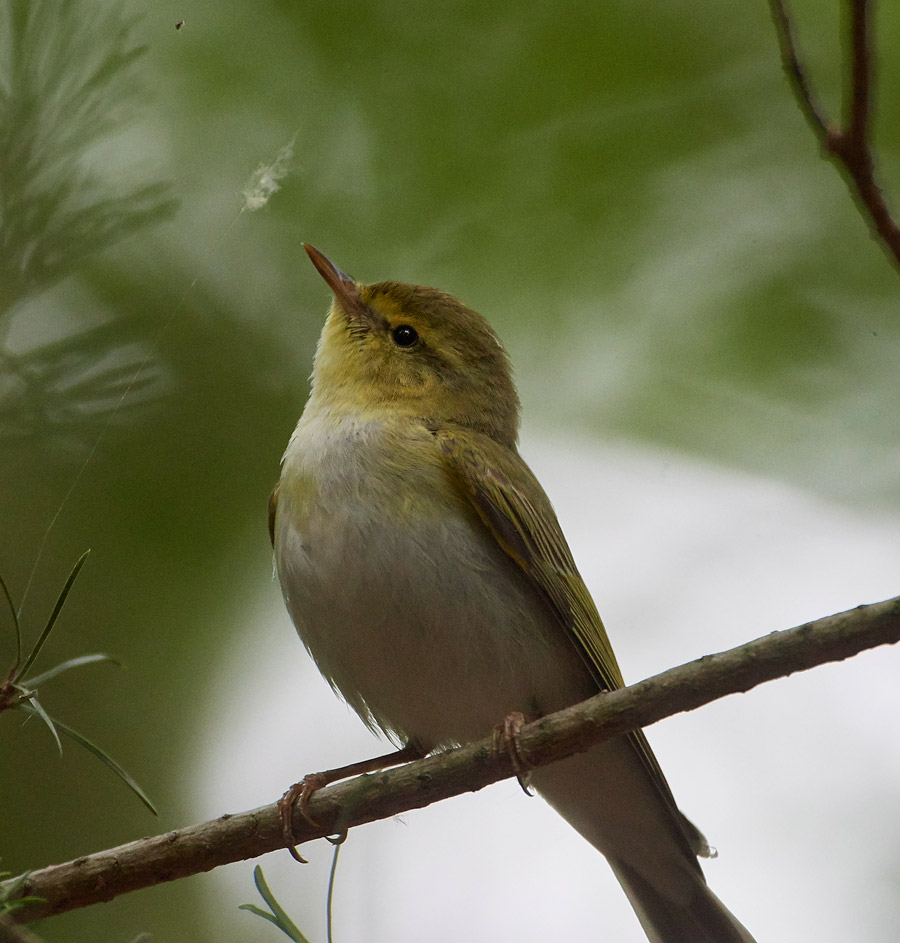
(426, 573)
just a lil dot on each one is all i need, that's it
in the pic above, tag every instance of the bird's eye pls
(404, 335)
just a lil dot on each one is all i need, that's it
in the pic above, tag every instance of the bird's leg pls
(312, 782)
(506, 737)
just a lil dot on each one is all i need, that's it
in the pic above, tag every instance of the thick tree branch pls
(149, 861)
(848, 145)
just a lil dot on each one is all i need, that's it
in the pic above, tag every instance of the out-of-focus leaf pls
(10, 906)
(66, 81)
(68, 74)
(14, 886)
(9, 891)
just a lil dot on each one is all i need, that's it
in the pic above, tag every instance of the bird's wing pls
(524, 524)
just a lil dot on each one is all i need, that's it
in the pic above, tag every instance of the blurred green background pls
(627, 190)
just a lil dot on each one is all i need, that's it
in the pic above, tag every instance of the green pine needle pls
(68, 665)
(36, 708)
(101, 755)
(278, 915)
(48, 628)
(15, 621)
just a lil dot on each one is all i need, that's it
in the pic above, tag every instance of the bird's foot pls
(506, 737)
(303, 791)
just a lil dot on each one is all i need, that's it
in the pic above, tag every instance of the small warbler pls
(426, 573)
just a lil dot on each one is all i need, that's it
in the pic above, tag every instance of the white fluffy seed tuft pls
(265, 180)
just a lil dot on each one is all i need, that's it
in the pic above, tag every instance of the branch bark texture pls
(150, 861)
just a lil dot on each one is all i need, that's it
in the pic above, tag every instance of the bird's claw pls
(506, 737)
(302, 791)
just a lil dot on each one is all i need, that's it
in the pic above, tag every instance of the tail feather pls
(702, 919)
(606, 795)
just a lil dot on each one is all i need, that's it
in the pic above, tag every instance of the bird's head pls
(391, 350)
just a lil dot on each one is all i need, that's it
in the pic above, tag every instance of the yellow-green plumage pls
(512, 504)
(428, 576)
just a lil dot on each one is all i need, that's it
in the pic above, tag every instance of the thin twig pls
(149, 861)
(796, 73)
(857, 103)
(847, 145)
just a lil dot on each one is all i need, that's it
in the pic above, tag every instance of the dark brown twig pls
(857, 101)
(149, 861)
(796, 73)
(847, 144)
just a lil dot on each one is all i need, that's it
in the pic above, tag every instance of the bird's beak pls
(346, 291)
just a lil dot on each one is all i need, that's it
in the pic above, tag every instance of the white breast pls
(409, 607)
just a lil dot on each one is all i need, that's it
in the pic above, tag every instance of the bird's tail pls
(701, 919)
(607, 795)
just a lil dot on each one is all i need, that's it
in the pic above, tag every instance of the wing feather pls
(515, 509)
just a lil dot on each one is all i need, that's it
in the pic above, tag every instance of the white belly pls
(417, 617)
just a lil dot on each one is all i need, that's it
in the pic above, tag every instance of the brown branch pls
(796, 73)
(847, 145)
(857, 99)
(149, 861)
